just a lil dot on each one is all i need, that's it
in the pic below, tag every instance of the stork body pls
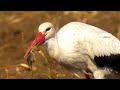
(83, 48)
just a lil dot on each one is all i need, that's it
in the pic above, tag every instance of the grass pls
(49, 71)
(18, 29)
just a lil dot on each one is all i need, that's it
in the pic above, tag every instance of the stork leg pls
(87, 76)
(85, 73)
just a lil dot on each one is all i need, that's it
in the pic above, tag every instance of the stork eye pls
(48, 29)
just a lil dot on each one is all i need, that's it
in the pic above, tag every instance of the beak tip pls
(25, 56)
(40, 38)
(27, 53)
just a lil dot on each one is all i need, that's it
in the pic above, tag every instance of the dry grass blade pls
(49, 72)
(25, 66)
(18, 68)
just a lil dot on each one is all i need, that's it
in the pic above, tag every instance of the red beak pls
(40, 38)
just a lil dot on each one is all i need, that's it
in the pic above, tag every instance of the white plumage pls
(81, 47)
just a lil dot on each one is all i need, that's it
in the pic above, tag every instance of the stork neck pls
(52, 47)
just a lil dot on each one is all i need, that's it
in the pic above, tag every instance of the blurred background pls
(19, 28)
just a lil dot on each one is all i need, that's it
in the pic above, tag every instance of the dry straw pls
(49, 71)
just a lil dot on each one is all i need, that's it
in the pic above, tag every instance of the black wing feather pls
(112, 61)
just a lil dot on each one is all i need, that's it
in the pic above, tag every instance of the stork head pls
(45, 32)
(47, 29)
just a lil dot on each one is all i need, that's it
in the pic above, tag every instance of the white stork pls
(80, 48)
